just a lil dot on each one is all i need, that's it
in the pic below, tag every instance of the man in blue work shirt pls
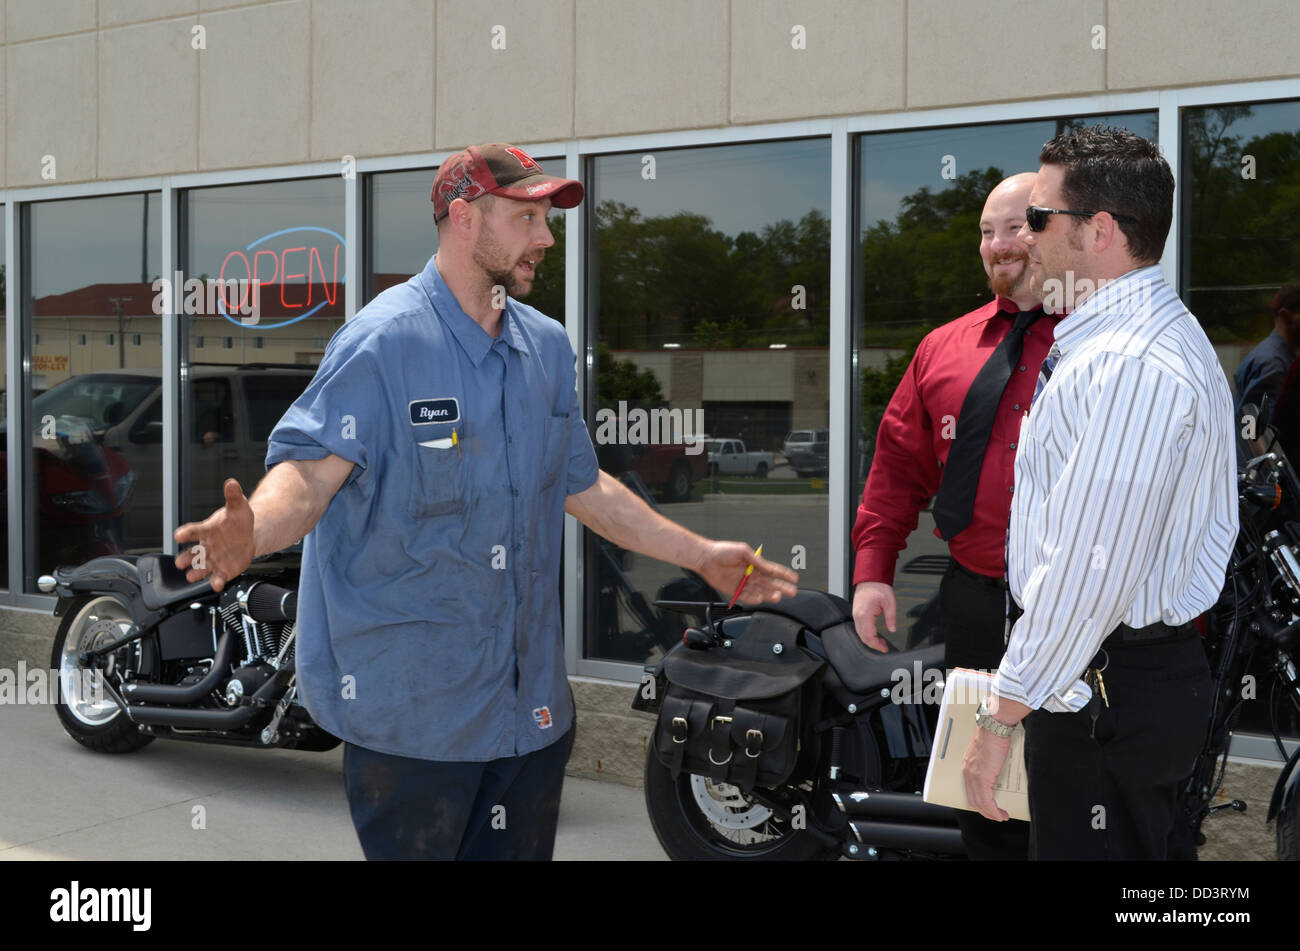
(429, 464)
(1262, 371)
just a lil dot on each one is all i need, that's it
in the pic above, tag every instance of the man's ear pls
(460, 215)
(1106, 232)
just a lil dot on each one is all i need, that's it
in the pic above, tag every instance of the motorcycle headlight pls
(81, 502)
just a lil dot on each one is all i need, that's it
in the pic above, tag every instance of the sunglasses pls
(1036, 216)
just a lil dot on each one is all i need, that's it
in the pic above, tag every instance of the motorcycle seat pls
(162, 583)
(863, 670)
(815, 610)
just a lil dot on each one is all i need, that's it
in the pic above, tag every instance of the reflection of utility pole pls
(117, 303)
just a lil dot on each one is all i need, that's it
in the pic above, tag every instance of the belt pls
(1000, 582)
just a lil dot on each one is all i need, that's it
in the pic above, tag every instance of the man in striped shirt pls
(1123, 518)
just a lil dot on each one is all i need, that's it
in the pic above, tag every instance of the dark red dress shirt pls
(917, 432)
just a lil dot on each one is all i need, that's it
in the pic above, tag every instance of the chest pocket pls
(437, 468)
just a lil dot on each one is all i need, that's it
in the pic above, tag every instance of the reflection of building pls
(81, 331)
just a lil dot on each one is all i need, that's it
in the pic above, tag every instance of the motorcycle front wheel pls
(88, 714)
(696, 819)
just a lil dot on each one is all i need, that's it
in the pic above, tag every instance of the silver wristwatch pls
(984, 720)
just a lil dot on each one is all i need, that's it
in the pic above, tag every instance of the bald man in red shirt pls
(951, 430)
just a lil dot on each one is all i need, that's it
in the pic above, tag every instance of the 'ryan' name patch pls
(435, 411)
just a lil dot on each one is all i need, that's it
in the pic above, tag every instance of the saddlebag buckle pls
(680, 730)
(721, 740)
(753, 743)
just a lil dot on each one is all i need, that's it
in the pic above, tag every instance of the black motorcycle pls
(781, 736)
(142, 653)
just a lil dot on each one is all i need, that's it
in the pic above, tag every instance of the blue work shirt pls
(428, 612)
(1263, 370)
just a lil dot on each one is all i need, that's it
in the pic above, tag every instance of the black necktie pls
(955, 503)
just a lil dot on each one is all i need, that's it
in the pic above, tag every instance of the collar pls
(473, 339)
(1124, 301)
(1005, 306)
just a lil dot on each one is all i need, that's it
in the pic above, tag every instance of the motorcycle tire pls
(100, 724)
(696, 820)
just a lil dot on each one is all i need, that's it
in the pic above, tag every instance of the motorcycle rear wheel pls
(93, 719)
(695, 819)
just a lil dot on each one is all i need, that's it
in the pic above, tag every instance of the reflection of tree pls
(1241, 231)
(922, 268)
(547, 294)
(675, 278)
(621, 380)
(919, 270)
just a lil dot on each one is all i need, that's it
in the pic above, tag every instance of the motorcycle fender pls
(1284, 793)
(62, 605)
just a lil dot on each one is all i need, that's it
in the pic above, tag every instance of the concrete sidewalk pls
(59, 800)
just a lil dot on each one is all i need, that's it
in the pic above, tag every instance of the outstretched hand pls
(224, 541)
(723, 565)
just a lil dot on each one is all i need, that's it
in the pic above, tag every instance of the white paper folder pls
(944, 784)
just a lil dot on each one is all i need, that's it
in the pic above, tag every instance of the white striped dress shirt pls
(1125, 502)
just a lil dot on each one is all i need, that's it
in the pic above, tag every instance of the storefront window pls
(709, 294)
(95, 476)
(920, 195)
(278, 249)
(1241, 243)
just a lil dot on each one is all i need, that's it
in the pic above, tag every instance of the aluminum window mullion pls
(574, 275)
(13, 402)
(171, 376)
(351, 238)
(841, 417)
(1168, 133)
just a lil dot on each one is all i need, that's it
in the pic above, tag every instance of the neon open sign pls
(272, 271)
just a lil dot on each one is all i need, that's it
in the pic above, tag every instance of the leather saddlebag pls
(741, 714)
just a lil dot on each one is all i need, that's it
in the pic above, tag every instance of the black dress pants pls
(1111, 793)
(972, 613)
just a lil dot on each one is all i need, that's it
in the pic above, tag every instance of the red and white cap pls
(499, 169)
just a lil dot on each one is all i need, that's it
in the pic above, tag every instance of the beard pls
(490, 256)
(1008, 285)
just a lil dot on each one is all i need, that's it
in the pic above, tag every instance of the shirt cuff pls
(1072, 700)
(874, 564)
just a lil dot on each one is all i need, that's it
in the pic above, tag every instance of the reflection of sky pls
(84, 241)
(896, 164)
(403, 236)
(738, 187)
(229, 218)
(1264, 118)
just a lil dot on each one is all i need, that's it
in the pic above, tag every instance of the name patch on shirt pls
(435, 411)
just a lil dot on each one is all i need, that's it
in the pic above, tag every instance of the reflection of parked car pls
(729, 457)
(813, 461)
(803, 440)
(232, 410)
(666, 468)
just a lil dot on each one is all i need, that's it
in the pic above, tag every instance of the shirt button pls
(1012, 489)
(1022, 369)
(509, 440)
(1012, 446)
(1017, 406)
(516, 492)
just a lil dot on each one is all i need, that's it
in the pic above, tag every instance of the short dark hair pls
(1108, 168)
(1287, 297)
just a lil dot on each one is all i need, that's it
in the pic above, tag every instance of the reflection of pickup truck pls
(665, 468)
(812, 460)
(728, 457)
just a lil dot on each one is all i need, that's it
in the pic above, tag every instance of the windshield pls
(95, 398)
